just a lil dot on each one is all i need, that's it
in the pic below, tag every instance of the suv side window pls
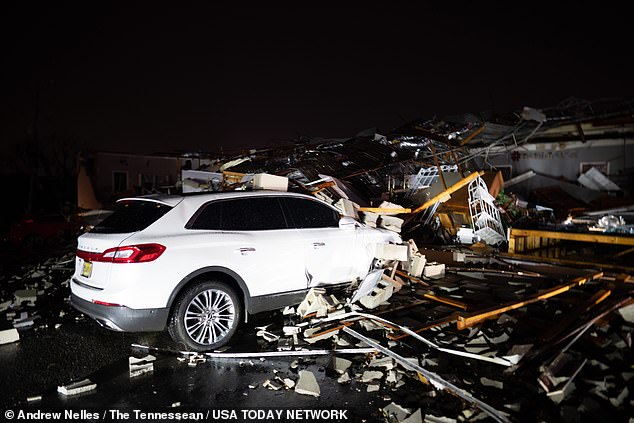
(241, 214)
(307, 213)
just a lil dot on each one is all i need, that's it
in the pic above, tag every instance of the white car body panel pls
(268, 261)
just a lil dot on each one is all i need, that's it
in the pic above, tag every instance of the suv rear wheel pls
(205, 316)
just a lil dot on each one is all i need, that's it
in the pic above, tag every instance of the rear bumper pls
(123, 319)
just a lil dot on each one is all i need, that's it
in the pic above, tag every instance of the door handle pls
(319, 244)
(245, 250)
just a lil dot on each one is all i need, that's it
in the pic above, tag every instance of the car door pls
(256, 243)
(329, 251)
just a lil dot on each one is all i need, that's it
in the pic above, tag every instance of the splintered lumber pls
(466, 321)
(383, 210)
(445, 195)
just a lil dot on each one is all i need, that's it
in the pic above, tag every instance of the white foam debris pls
(393, 409)
(369, 375)
(344, 378)
(372, 388)
(340, 365)
(386, 362)
(490, 382)
(8, 336)
(415, 417)
(627, 313)
(76, 388)
(139, 366)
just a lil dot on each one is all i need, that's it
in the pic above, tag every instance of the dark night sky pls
(144, 79)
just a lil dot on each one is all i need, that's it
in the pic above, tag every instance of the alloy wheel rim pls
(209, 316)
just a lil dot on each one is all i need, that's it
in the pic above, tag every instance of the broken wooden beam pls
(469, 320)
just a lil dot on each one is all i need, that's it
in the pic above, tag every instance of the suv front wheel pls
(205, 316)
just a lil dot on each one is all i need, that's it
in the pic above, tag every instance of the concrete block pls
(270, 182)
(307, 384)
(76, 388)
(434, 270)
(391, 252)
(416, 265)
(314, 302)
(8, 336)
(381, 293)
(28, 295)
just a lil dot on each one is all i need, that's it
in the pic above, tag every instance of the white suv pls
(200, 264)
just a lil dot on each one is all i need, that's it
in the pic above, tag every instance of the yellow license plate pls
(86, 270)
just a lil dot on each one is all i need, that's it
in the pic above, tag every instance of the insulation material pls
(347, 208)
(307, 384)
(391, 252)
(597, 181)
(270, 182)
(434, 270)
(485, 216)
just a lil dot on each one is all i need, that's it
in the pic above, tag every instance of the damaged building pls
(509, 299)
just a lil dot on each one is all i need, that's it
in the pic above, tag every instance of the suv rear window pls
(131, 216)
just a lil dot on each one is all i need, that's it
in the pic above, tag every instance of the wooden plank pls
(412, 278)
(556, 260)
(384, 210)
(445, 195)
(573, 236)
(436, 323)
(446, 300)
(469, 320)
(473, 134)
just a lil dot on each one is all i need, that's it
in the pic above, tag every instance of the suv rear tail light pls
(140, 253)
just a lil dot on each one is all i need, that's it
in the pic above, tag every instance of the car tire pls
(205, 316)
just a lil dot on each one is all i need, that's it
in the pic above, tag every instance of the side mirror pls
(347, 223)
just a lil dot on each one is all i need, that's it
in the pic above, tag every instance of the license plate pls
(86, 270)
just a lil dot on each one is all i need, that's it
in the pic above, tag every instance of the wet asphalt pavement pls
(63, 346)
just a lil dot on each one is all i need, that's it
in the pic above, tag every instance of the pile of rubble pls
(470, 338)
(37, 299)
